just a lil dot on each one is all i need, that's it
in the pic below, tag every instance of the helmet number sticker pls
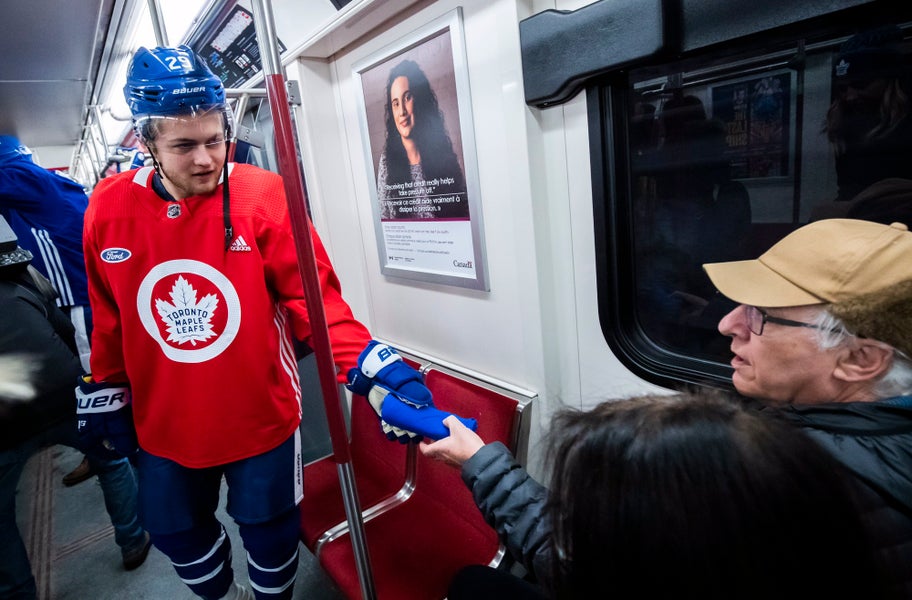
(183, 59)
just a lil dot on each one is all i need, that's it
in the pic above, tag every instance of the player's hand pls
(104, 418)
(397, 393)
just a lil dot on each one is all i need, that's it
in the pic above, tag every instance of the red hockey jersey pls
(203, 335)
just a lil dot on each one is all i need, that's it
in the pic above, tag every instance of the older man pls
(824, 331)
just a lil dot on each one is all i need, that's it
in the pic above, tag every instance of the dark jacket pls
(31, 323)
(513, 503)
(874, 440)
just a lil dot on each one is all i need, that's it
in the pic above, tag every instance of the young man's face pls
(784, 364)
(191, 151)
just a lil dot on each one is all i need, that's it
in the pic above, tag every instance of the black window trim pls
(613, 244)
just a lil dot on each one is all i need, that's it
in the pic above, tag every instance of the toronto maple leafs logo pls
(191, 309)
(187, 320)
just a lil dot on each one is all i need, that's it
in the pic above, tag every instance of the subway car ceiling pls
(63, 58)
(52, 52)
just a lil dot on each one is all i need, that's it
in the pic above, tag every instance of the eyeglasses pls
(187, 146)
(757, 318)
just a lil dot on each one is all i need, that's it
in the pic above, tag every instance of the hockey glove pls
(398, 395)
(104, 418)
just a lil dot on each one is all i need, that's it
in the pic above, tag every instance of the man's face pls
(191, 151)
(784, 364)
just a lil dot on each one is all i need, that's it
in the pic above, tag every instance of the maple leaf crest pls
(187, 320)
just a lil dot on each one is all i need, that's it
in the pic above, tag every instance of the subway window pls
(713, 159)
(256, 136)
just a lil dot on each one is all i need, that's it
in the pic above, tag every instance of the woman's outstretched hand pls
(455, 449)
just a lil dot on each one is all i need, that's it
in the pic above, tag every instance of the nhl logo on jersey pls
(174, 211)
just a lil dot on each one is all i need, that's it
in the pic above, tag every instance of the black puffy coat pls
(874, 441)
(513, 503)
(31, 323)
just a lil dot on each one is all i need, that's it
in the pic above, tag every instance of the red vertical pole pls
(300, 224)
(297, 207)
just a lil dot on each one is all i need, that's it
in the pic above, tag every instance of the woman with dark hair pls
(419, 175)
(687, 496)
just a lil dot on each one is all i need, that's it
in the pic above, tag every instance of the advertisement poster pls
(419, 146)
(756, 113)
(231, 50)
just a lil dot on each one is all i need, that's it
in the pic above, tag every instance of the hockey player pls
(196, 293)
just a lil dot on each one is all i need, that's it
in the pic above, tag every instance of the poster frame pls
(467, 267)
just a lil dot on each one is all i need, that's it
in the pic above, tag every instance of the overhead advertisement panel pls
(230, 47)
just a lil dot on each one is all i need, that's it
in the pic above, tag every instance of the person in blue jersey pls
(45, 210)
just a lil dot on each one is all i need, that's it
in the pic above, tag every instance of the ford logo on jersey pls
(115, 255)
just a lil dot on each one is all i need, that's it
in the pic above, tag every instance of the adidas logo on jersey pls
(239, 245)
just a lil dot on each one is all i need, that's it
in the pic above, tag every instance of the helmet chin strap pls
(160, 189)
(226, 209)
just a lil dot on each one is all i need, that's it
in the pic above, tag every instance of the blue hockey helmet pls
(12, 149)
(171, 81)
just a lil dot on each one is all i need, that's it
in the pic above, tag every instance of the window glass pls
(716, 160)
(256, 136)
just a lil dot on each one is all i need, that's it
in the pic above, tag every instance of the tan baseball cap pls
(826, 261)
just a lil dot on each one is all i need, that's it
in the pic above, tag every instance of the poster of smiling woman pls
(419, 145)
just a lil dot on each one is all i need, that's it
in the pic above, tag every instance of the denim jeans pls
(118, 484)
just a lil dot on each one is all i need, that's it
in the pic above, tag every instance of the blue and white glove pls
(397, 393)
(104, 418)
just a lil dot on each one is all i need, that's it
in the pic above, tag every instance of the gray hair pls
(831, 332)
